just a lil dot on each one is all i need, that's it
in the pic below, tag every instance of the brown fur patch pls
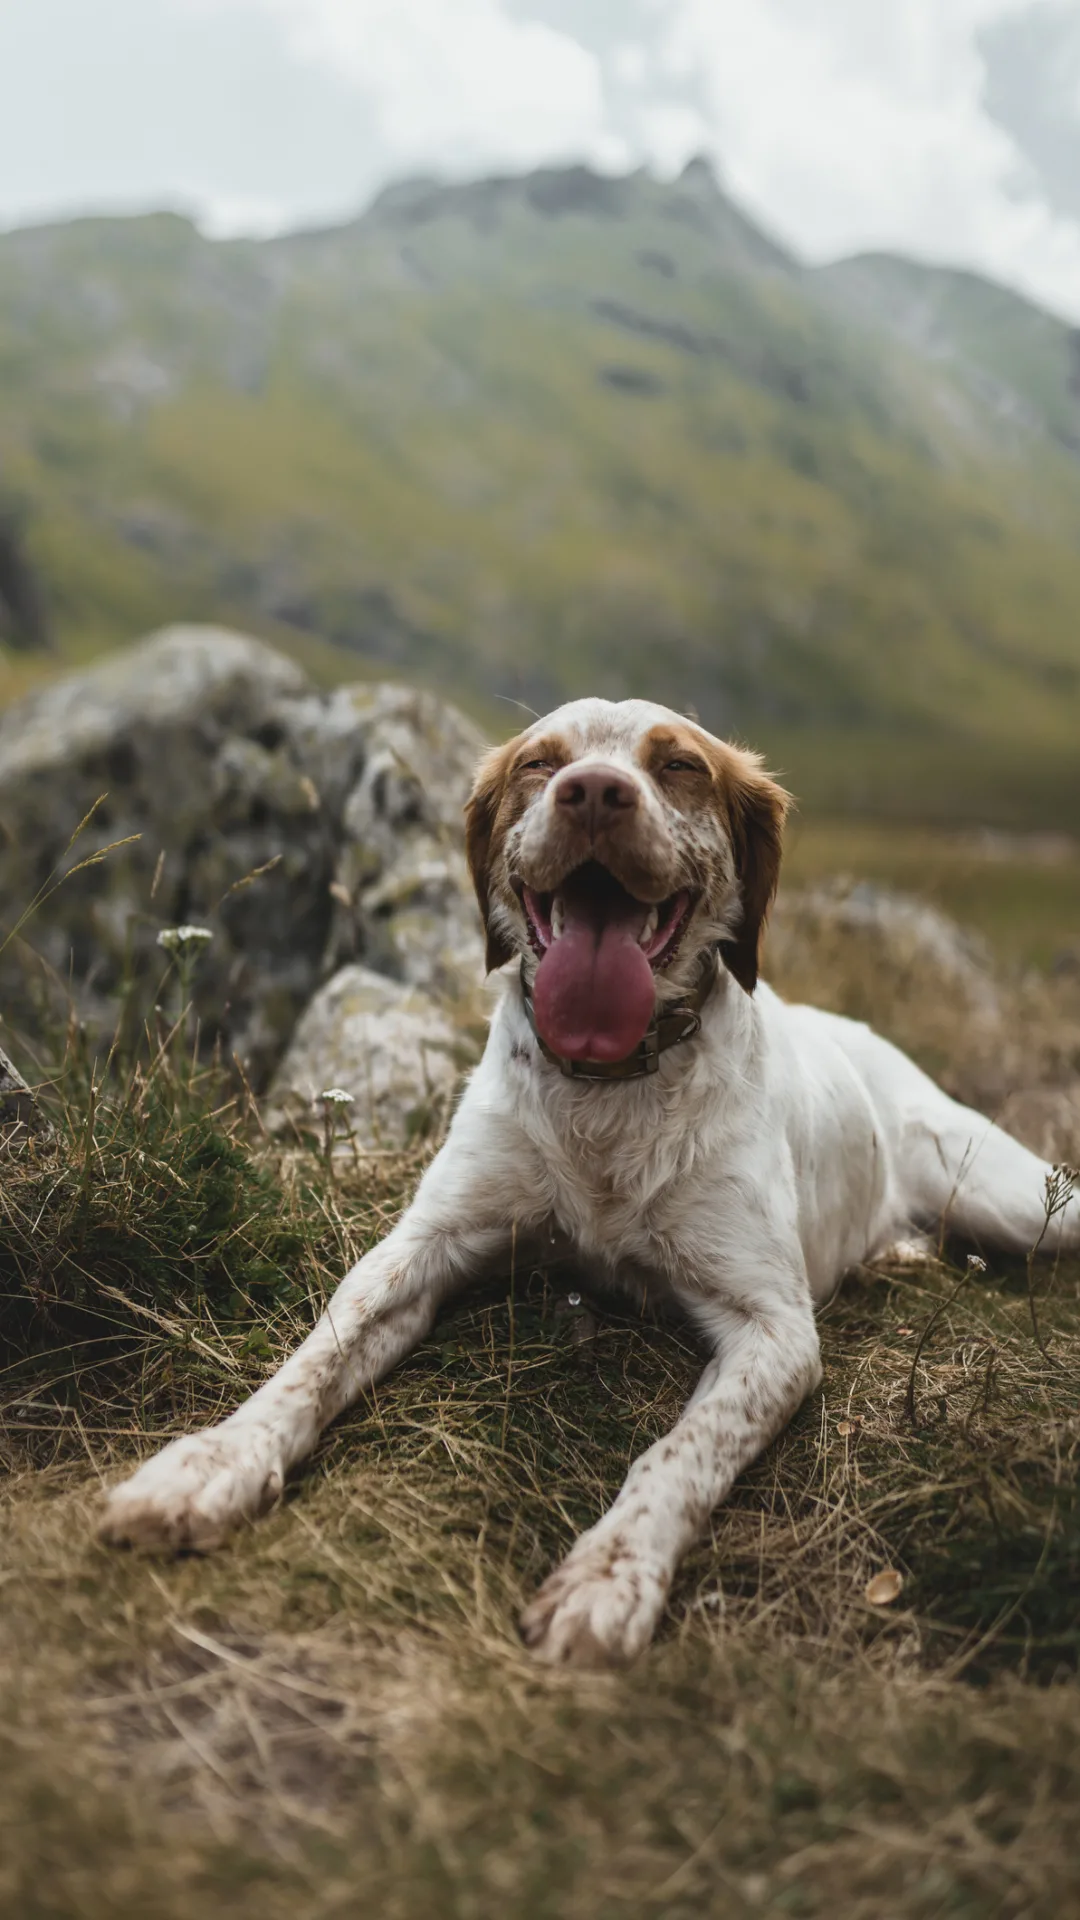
(481, 822)
(753, 808)
(757, 810)
(505, 782)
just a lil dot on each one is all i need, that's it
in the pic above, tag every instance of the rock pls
(906, 969)
(392, 1047)
(1006, 1043)
(870, 941)
(18, 1108)
(170, 747)
(402, 893)
(213, 759)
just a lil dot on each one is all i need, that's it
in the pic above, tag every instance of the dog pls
(646, 1099)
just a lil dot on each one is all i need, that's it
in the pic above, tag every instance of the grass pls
(334, 1713)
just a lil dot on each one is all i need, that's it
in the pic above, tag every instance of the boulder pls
(216, 786)
(870, 939)
(898, 963)
(401, 888)
(388, 1054)
(931, 987)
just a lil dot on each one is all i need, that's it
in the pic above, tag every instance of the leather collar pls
(677, 1024)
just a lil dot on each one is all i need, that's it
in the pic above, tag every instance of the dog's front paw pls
(599, 1609)
(191, 1495)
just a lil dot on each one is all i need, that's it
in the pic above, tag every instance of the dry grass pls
(333, 1715)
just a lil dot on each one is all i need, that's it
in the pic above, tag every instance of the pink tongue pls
(594, 993)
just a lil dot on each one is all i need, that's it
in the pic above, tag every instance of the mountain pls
(558, 433)
(1012, 359)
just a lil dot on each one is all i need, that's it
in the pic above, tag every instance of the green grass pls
(985, 335)
(141, 1211)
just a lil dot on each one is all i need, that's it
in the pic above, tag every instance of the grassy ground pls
(333, 1714)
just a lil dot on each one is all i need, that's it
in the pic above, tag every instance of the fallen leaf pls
(849, 1426)
(885, 1587)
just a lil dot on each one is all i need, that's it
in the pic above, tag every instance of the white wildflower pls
(184, 939)
(337, 1097)
(975, 1265)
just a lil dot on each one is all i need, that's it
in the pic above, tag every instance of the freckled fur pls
(764, 1159)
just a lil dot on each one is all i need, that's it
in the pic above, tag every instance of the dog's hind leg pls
(474, 1194)
(966, 1175)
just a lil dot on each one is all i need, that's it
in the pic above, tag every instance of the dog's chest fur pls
(622, 1162)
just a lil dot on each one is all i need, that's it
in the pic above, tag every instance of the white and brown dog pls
(642, 1096)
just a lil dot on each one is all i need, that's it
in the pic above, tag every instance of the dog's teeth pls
(558, 919)
(649, 929)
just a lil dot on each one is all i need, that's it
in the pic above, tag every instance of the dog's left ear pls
(481, 814)
(757, 810)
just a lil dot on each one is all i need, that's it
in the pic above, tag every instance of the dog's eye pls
(682, 766)
(536, 766)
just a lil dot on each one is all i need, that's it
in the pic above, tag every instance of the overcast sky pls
(945, 128)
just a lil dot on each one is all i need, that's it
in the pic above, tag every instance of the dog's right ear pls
(481, 818)
(757, 809)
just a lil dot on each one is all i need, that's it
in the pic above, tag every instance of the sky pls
(947, 129)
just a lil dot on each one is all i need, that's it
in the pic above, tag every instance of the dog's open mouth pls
(599, 949)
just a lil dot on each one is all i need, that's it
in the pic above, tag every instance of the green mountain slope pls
(565, 433)
(1021, 365)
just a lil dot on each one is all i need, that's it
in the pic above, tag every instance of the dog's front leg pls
(601, 1607)
(474, 1193)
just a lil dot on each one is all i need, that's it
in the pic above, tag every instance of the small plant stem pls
(941, 1309)
(87, 1160)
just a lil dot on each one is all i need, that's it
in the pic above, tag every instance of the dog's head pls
(610, 845)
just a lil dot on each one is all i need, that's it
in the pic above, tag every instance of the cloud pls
(948, 129)
(456, 83)
(848, 128)
(131, 104)
(1033, 91)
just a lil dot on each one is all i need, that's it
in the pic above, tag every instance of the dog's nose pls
(597, 796)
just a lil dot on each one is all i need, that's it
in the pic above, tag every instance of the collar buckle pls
(691, 1029)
